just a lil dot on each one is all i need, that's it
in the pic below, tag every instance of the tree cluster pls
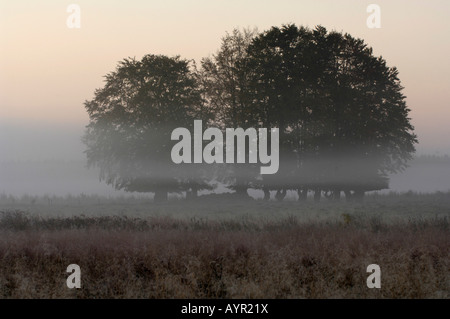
(341, 114)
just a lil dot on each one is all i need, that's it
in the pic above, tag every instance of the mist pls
(48, 159)
(134, 162)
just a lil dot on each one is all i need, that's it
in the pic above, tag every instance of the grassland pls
(225, 248)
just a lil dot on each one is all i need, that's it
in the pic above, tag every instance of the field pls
(221, 247)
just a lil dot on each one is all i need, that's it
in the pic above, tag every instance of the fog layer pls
(39, 159)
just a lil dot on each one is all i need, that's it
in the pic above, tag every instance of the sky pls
(47, 70)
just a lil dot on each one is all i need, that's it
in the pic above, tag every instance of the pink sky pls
(47, 70)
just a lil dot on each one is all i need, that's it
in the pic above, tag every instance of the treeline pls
(342, 118)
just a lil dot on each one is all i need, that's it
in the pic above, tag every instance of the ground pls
(133, 248)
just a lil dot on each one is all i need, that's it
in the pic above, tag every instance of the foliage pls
(342, 117)
(131, 120)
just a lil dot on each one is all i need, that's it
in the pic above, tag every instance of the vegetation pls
(343, 119)
(133, 248)
(131, 121)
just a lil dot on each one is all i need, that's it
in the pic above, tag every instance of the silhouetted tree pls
(342, 117)
(131, 121)
(225, 77)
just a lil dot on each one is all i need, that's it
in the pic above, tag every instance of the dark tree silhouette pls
(342, 117)
(341, 114)
(226, 79)
(131, 120)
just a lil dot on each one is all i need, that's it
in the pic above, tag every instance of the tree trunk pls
(241, 191)
(194, 192)
(302, 194)
(336, 194)
(161, 196)
(266, 193)
(359, 195)
(280, 195)
(348, 195)
(317, 195)
(241, 184)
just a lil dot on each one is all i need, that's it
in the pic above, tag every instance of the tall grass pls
(167, 257)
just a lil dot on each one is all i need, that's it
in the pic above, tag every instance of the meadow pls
(221, 247)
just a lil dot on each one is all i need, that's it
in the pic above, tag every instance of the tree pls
(342, 117)
(225, 77)
(280, 64)
(131, 120)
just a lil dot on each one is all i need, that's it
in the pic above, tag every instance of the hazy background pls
(47, 70)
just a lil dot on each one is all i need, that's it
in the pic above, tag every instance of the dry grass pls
(162, 257)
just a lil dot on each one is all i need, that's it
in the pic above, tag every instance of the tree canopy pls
(131, 120)
(340, 110)
(343, 120)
